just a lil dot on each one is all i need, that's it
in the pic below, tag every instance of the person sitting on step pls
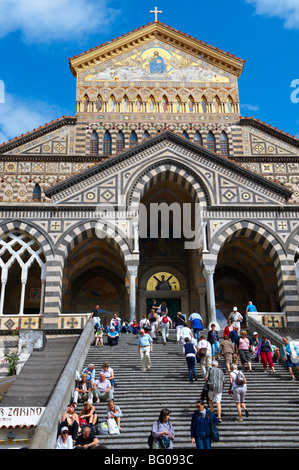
(114, 411)
(70, 420)
(112, 336)
(103, 389)
(83, 390)
(88, 414)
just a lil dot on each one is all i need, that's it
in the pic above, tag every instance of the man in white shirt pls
(204, 351)
(185, 332)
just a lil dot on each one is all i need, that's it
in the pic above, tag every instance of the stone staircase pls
(272, 399)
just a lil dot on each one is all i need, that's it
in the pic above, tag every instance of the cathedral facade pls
(157, 188)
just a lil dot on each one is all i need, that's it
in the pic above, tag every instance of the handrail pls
(45, 434)
(261, 329)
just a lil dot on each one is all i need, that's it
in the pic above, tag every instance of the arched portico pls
(273, 248)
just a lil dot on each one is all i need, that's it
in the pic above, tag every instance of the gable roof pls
(268, 129)
(36, 133)
(156, 30)
(185, 144)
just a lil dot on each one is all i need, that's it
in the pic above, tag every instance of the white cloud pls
(250, 107)
(43, 21)
(18, 116)
(287, 10)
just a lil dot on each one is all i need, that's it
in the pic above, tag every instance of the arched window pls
(120, 142)
(37, 193)
(145, 135)
(94, 144)
(216, 105)
(224, 149)
(198, 138)
(211, 143)
(204, 105)
(107, 143)
(133, 139)
(185, 134)
(190, 105)
(229, 105)
(22, 262)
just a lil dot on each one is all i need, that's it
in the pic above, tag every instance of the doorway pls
(173, 305)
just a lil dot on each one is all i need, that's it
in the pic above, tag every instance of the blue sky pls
(38, 36)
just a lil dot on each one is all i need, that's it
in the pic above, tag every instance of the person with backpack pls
(238, 385)
(190, 351)
(165, 323)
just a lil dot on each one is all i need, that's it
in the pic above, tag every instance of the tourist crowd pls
(80, 430)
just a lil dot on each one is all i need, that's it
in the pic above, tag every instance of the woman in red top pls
(228, 328)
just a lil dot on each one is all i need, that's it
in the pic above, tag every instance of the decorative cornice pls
(156, 30)
(182, 142)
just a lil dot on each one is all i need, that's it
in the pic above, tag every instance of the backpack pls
(150, 439)
(103, 428)
(239, 379)
(152, 317)
(165, 319)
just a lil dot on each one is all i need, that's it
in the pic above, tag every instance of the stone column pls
(136, 237)
(208, 272)
(202, 302)
(3, 286)
(24, 277)
(132, 273)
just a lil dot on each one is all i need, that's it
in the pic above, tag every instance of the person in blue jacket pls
(200, 426)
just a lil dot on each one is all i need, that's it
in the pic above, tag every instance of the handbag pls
(150, 439)
(164, 442)
(202, 352)
(112, 426)
(213, 430)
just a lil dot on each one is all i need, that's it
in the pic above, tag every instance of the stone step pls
(273, 417)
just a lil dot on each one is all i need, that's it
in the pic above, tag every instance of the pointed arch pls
(94, 144)
(138, 104)
(112, 104)
(99, 104)
(145, 135)
(37, 193)
(152, 104)
(165, 104)
(204, 105)
(224, 147)
(85, 103)
(229, 105)
(216, 105)
(107, 147)
(177, 104)
(198, 138)
(120, 142)
(133, 138)
(211, 142)
(190, 105)
(125, 104)
(186, 135)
